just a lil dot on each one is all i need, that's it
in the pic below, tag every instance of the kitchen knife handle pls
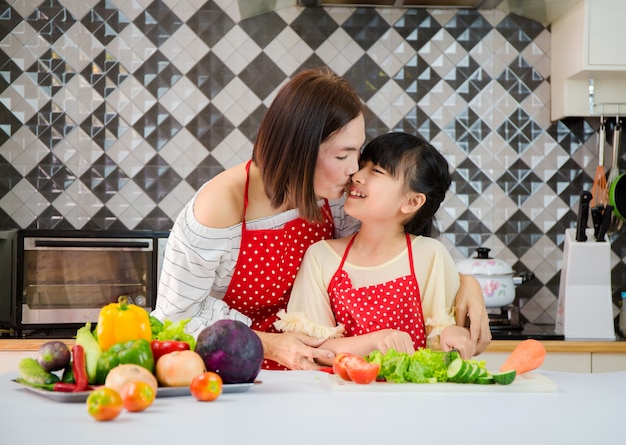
(606, 221)
(596, 217)
(583, 212)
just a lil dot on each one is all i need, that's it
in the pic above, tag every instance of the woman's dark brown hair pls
(307, 110)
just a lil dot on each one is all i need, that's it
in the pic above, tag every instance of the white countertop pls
(300, 407)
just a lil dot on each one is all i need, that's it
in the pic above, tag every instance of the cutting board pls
(530, 382)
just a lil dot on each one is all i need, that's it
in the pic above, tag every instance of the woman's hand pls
(471, 304)
(295, 351)
(457, 337)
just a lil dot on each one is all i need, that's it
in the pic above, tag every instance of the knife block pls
(585, 305)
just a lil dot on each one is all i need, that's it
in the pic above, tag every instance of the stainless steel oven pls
(61, 279)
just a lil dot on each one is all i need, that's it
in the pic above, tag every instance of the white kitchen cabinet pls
(587, 43)
(608, 362)
(557, 361)
(584, 362)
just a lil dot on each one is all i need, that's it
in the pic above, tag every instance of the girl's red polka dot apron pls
(395, 304)
(267, 265)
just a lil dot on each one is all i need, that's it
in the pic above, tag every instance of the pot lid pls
(482, 264)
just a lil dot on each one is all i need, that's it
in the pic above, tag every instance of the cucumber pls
(505, 378)
(485, 380)
(31, 371)
(473, 375)
(456, 369)
(450, 356)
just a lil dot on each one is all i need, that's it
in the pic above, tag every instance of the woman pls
(390, 285)
(235, 248)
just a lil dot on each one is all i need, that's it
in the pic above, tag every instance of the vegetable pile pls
(428, 366)
(123, 360)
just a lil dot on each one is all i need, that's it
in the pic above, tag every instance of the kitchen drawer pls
(608, 362)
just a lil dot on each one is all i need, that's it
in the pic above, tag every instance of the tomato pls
(363, 373)
(104, 404)
(137, 396)
(339, 364)
(353, 368)
(206, 387)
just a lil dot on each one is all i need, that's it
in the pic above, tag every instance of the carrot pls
(527, 355)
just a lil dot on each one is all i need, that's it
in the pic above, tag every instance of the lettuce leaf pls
(175, 331)
(424, 366)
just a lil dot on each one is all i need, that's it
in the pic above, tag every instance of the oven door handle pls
(91, 244)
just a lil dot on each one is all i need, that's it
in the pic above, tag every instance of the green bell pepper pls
(136, 352)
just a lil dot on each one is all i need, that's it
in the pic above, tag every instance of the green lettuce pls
(423, 366)
(169, 330)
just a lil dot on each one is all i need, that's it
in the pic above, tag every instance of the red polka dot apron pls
(395, 304)
(267, 265)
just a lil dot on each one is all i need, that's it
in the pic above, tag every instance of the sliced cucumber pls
(456, 369)
(483, 373)
(486, 380)
(504, 378)
(474, 374)
(450, 356)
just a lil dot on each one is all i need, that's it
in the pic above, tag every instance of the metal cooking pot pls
(494, 276)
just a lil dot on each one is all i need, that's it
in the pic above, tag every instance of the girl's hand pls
(470, 304)
(458, 338)
(387, 339)
(295, 351)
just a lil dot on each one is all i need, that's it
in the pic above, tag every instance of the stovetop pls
(528, 330)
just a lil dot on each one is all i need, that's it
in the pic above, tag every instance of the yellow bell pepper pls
(120, 322)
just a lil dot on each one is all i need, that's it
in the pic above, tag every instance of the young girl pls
(390, 285)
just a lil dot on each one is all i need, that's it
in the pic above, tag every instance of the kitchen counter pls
(302, 407)
(495, 346)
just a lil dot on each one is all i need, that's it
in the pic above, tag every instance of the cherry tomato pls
(206, 387)
(104, 404)
(351, 367)
(137, 396)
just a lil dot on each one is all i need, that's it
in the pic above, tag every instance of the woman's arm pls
(193, 256)
(470, 304)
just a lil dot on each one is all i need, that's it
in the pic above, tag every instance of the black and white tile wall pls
(113, 112)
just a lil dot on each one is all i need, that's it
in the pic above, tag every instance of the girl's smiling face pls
(377, 194)
(338, 159)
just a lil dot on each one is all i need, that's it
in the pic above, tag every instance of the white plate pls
(79, 397)
(177, 391)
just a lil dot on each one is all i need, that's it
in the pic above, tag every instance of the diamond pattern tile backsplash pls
(114, 112)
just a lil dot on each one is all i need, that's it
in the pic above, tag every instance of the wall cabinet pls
(587, 44)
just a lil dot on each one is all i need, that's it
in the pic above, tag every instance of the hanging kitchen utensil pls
(614, 175)
(599, 190)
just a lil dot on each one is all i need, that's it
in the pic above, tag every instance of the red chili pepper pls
(64, 387)
(160, 348)
(328, 369)
(79, 368)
